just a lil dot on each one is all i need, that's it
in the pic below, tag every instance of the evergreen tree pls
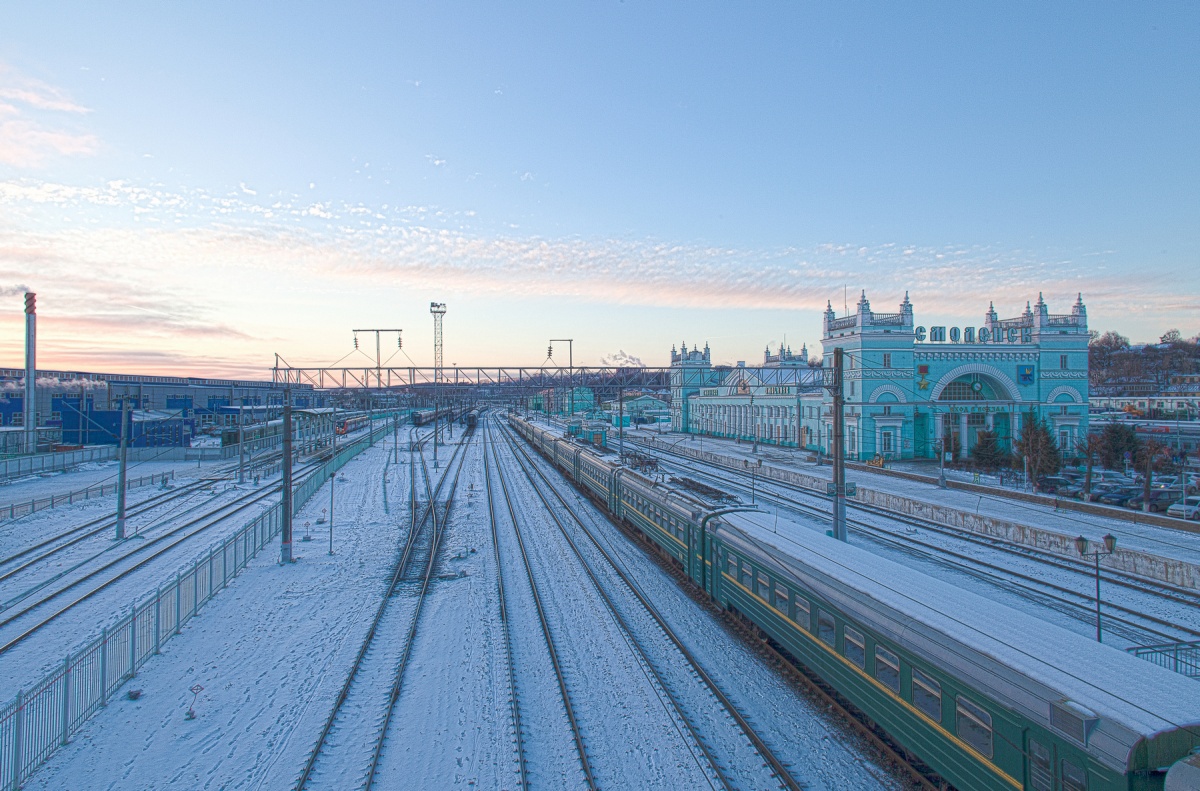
(987, 453)
(1115, 441)
(1036, 444)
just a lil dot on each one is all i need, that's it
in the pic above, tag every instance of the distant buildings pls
(81, 408)
(907, 387)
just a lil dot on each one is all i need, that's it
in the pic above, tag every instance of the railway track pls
(1135, 625)
(510, 671)
(377, 668)
(779, 771)
(46, 548)
(568, 707)
(121, 567)
(89, 529)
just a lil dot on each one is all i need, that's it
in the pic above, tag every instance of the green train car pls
(986, 696)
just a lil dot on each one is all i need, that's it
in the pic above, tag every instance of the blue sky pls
(197, 186)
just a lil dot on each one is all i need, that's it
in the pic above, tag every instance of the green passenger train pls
(986, 696)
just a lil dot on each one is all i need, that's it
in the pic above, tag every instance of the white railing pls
(14, 510)
(44, 717)
(50, 462)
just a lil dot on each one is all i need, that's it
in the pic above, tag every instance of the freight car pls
(986, 696)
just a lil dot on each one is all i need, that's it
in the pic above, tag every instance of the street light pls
(941, 446)
(753, 469)
(1110, 545)
(754, 417)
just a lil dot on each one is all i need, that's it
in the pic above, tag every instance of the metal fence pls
(67, 498)
(44, 717)
(49, 462)
(1183, 658)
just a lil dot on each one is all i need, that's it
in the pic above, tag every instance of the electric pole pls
(839, 460)
(438, 310)
(121, 471)
(570, 366)
(285, 501)
(378, 363)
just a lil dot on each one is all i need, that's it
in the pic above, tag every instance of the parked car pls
(1188, 509)
(1120, 496)
(1051, 485)
(1099, 490)
(1160, 500)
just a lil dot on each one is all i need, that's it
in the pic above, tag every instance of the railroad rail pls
(551, 648)
(513, 692)
(418, 518)
(172, 540)
(780, 772)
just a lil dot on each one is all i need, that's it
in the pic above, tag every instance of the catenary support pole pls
(839, 460)
(285, 510)
(122, 469)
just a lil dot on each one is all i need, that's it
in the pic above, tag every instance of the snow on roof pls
(1132, 692)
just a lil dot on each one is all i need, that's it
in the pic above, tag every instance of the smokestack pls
(30, 372)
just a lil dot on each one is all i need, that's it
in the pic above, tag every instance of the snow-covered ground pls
(273, 650)
(271, 653)
(166, 530)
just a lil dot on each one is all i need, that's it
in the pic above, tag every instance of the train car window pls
(781, 598)
(887, 668)
(974, 726)
(748, 576)
(731, 567)
(927, 695)
(826, 627)
(854, 646)
(1041, 768)
(803, 615)
(1074, 777)
(763, 589)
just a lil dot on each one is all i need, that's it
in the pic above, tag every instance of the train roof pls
(1018, 660)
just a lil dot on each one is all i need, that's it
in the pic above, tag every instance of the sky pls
(194, 188)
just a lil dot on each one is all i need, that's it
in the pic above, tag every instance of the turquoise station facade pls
(908, 387)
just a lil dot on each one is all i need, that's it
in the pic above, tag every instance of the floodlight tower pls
(438, 309)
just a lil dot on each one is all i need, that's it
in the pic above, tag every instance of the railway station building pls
(908, 387)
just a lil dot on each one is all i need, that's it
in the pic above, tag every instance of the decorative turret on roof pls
(864, 304)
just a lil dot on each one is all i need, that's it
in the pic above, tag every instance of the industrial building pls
(83, 408)
(908, 388)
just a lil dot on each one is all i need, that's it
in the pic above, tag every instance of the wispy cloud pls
(143, 266)
(31, 128)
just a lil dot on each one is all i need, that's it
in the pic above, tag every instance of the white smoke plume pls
(621, 359)
(14, 291)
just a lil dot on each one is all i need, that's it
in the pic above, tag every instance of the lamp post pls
(1085, 551)
(754, 418)
(753, 470)
(941, 446)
